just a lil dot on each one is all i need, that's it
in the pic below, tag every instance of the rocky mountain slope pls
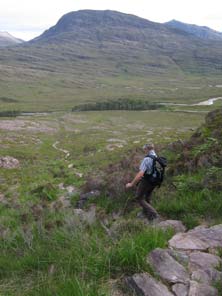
(198, 31)
(98, 55)
(102, 40)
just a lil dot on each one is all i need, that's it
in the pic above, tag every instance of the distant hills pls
(7, 39)
(99, 55)
(125, 43)
(198, 31)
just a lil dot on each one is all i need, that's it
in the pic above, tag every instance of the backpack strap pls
(154, 158)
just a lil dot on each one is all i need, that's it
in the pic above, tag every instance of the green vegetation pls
(193, 192)
(191, 202)
(121, 104)
(73, 259)
(45, 249)
(64, 69)
(9, 113)
(218, 284)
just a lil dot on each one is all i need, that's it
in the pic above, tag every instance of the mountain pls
(198, 31)
(125, 43)
(99, 26)
(98, 55)
(7, 39)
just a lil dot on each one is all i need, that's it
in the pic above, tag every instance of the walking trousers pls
(143, 196)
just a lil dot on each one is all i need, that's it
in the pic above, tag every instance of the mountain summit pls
(121, 43)
(133, 44)
(99, 25)
(99, 55)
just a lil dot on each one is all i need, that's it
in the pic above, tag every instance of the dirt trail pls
(67, 153)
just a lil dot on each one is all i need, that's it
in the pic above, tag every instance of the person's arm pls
(137, 178)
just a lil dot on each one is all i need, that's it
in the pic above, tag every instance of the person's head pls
(148, 147)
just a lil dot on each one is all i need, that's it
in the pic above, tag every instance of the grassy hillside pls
(96, 56)
(45, 245)
(194, 190)
(45, 248)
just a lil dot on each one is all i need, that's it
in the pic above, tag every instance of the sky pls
(27, 19)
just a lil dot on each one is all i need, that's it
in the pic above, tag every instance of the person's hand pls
(129, 185)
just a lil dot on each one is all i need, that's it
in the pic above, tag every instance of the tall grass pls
(74, 260)
(192, 201)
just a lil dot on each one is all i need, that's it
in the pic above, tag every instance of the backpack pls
(158, 169)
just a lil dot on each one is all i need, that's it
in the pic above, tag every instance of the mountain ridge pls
(202, 32)
(95, 21)
(87, 17)
(129, 32)
(113, 55)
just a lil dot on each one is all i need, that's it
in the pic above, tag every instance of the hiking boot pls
(141, 215)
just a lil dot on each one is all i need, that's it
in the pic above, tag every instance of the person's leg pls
(151, 212)
(148, 192)
(144, 191)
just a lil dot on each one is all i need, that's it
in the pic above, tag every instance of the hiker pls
(145, 186)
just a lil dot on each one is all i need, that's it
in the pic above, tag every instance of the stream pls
(202, 103)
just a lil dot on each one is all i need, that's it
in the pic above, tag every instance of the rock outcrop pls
(176, 225)
(145, 285)
(190, 267)
(200, 238)
(169, 269)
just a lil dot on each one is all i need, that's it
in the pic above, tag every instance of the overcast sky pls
(27, 19)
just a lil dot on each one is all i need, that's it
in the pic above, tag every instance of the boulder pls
(201, 260)
(197, 289)
(145, 285)
(180, 289)
(211, 236)
(9, 162)
(181, 256)
(167, 267)
(176, 225)
(200, 238)
(207, 276)
(183, 241)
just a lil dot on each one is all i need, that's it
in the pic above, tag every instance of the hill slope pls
(198, 31)
(7, 39)
(92, 55)
(128, 39)
(193, 187)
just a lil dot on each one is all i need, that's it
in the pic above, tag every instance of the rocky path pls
(190, 266)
